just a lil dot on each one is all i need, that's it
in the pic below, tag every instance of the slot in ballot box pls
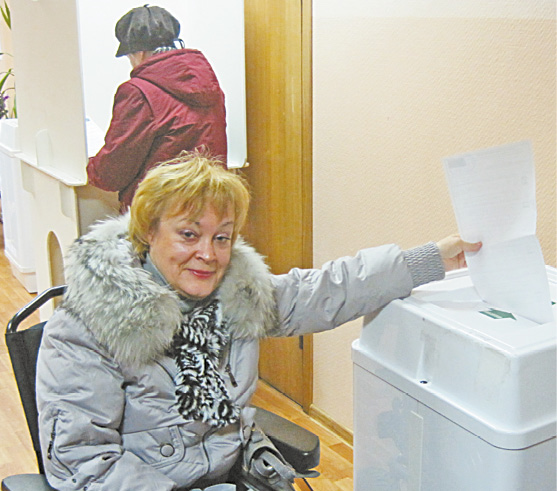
(454, 394)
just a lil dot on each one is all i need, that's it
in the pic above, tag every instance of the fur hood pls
(134, 317)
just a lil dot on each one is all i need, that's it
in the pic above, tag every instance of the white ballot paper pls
(95, 137)
(494, 199)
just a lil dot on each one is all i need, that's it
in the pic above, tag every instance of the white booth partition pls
(17, 205)
(64, 60)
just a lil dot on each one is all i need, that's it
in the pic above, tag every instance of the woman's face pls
(193, 253)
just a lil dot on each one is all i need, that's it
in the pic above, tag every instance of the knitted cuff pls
(425, 264)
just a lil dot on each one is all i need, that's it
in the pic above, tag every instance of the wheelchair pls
(299, 447)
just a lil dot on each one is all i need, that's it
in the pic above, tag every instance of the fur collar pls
(134, 317)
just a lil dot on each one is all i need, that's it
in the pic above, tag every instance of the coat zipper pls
(229, 372)
(205, 451)
(52, 437)
(228, 368)
(50, 450)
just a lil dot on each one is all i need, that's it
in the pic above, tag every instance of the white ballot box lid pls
(487, 370)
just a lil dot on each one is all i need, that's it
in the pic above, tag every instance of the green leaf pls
(6, 14)
(4, 78)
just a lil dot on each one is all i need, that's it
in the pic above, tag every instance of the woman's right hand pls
(452, 249)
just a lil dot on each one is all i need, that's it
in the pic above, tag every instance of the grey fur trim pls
(134, 317)
(247, 295)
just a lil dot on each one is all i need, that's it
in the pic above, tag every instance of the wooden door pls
(278, 89)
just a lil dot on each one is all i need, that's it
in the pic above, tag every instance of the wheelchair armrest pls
(26, 482)
(298, 446)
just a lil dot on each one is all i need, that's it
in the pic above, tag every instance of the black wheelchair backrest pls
(23, 347)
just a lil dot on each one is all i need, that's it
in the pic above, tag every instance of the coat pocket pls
(158, 447)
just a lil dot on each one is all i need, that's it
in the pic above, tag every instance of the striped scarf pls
(197, 347)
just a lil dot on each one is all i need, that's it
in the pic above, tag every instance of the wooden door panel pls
(279, 171)
(281, 365)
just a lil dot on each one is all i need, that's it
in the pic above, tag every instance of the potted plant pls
(7, 87)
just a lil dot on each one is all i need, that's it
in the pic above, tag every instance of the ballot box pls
(451, 393)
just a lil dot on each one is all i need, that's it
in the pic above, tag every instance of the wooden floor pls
(16, 455)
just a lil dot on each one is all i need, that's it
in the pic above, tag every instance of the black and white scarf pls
(197, 348)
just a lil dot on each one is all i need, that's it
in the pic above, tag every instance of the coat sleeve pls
(80, 397)
(127, 142)
(314, 300)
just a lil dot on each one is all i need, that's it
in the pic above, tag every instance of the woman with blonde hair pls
(147, 368)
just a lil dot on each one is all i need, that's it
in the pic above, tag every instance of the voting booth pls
(451, 393)
(17, 209)
(67, 75)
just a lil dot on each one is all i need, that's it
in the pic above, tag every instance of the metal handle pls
(33, 305)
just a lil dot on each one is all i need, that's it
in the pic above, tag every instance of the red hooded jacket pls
(172, 102)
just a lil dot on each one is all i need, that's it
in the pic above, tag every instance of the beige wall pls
(398, 86)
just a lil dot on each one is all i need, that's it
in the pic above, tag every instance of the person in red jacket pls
(172, 102)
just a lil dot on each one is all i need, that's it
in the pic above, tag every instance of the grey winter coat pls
(105, 388)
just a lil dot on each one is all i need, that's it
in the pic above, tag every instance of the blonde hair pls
(186, 184)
